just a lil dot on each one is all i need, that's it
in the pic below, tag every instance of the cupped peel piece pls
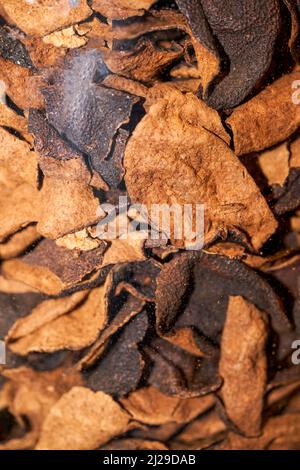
(175, 157)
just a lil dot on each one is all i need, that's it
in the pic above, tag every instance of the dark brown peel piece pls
(209, 280)
(51, 268)
(286, 277)
(120, 369)
(205, 48)
(290, 199)
(70, 330)
(143, 49)
(179, 373)
(47, 140)
(9, 286)
(275, 164)
(294, 33)
(284, 377)
(163, 432)
(175, 24)
(112, 170)
(246, 35)
(131, 307)
(84, 113)
(11, 48)
(15, 306)
(56, 157)
(82, 420)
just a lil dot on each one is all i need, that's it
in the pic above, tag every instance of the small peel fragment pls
(82, 420)
(42, 18)
(255, 128)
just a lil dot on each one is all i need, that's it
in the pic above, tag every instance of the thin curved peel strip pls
(19, 242)
(72, 330)
(44, 313)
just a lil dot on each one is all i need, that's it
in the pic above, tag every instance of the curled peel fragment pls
(244, 34)
(176, 156)
(89, 115)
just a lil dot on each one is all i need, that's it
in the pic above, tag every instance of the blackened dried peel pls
(246, 35)
(141, 344)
